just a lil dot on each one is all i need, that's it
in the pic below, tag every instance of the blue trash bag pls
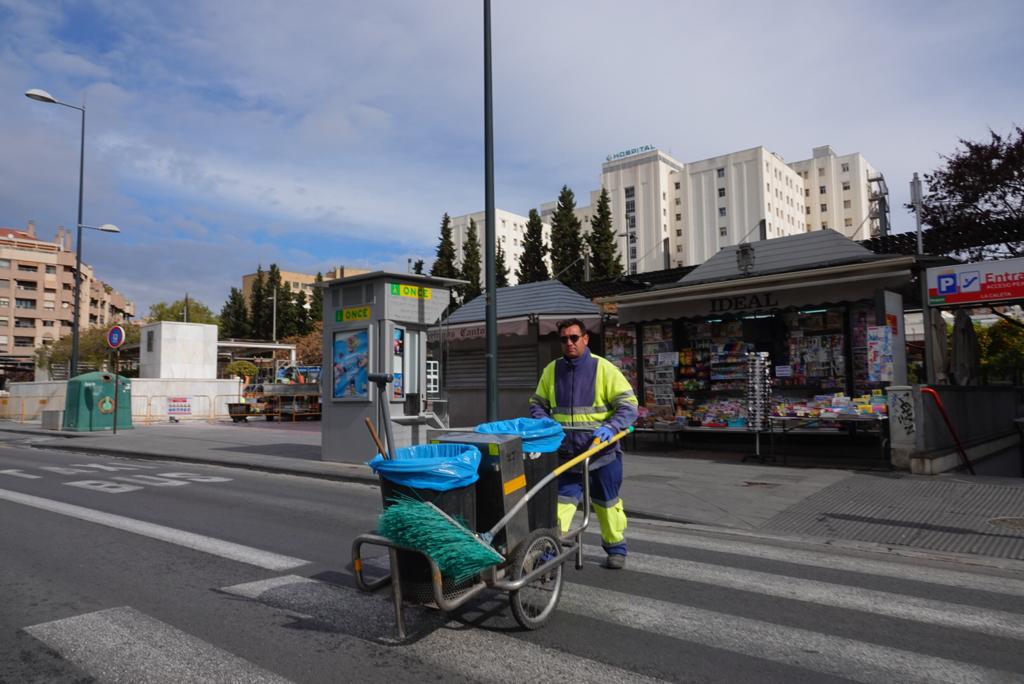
(538, 434)
(438, 467)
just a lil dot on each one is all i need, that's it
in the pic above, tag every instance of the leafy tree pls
(500, 269)
(308, 347)
(259, 307)
(175, 311)
(978, 192)
(604, 253)
(418, 267)
(316, 301)
(241, 369)
(566, 241)
(1001, 348)
(92, 347)
(234, 317)
(470, 265)
(532, 267)
(444, 265)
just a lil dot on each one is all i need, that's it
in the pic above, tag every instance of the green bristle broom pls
(459, 553)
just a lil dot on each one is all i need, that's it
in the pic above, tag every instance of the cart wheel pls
(534, 604)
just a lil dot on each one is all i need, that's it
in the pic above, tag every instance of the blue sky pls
(313, 133)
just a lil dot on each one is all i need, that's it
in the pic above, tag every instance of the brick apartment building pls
(37, 294)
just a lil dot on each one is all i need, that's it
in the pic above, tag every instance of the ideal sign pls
(985, 282)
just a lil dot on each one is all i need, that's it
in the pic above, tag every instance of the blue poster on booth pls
(351, 365)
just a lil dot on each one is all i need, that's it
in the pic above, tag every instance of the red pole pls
(952, 431)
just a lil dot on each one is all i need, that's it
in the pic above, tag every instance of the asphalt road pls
(120, 570)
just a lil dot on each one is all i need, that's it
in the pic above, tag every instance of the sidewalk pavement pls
(951, 513)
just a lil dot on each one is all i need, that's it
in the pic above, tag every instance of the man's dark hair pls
(569, 322)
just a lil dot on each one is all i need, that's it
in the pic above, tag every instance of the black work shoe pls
(616, 561)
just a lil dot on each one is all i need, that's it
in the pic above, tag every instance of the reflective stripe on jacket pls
(585, 393)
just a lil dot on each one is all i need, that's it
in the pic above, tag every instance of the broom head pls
(423, 527)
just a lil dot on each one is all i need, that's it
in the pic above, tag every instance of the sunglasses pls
(570, 338)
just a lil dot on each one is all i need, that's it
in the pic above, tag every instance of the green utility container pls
(89, 404)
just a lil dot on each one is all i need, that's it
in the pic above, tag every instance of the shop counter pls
(849, 425)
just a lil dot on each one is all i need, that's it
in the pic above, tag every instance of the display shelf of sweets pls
(692, 373)
(729, 365)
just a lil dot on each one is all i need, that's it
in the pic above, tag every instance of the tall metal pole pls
(78, 252)
(930, 374)
(274, 317)
(491, 314)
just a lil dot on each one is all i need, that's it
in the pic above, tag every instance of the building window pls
(679, 248)
(721, 211)
(4, 321)
(821, 171)
(677, 185)
(824, 225)
(632, 252)
(721, 192)
(629, 192)
(664, 196)
(4, 302)
(632, 269)
(808, 211)
(52, 270)
(630, 206)
(721, 173)
(631, 221)
(24, 341)
(846, 185)
(47, 324)
(5, 263)
(48, 305)
(679, 232)
(26, 268)
(848, 222)
(24, 303)
(723, 230)
(24, 322)
(664, 211)
(824, 207)
(25, 285)
(807, 192)
(846, 204)
(679, 217)
(845, 168)
(822, 190)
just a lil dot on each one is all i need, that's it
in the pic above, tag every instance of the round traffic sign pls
(115, 337)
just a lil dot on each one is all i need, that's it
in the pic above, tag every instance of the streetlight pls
(43, 96)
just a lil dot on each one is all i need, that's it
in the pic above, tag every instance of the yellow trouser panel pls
(613, 522)
(565, 513)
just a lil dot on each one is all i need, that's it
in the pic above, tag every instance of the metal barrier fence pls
(25, 409)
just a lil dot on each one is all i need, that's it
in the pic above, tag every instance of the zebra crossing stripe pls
(837, 656)
(123, 645)
(197, 542)
(448, 647)
(956, 616)
(832, 561)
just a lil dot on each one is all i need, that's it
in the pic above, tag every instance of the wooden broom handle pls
(376, 439)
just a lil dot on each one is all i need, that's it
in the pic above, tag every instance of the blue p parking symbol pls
(946, 284)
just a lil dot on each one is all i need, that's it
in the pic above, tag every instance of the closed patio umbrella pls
(940, 345)
(966, 364)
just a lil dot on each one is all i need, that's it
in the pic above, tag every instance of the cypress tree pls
(500, 269)
(418, 267)
(604, 253)
(470, 265)
(259, 313)
(532, 267)
(316, 301)
(566, 241)
(444, 265)
(234, 317)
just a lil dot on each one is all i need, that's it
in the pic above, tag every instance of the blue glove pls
(603, 433)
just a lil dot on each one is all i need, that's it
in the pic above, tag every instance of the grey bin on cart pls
(89, 404)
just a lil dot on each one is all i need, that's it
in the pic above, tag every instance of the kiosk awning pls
(849, 282)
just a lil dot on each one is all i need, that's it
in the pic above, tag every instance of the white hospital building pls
(668, 213)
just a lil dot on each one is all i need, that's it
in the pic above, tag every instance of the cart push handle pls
(597, 446)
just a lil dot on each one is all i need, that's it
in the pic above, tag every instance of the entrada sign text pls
(743, 302)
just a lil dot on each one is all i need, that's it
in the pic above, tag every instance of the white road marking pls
(105, 486)
(198, 542)
(836, 656)
(830, 560)
(123, 645)
(953, 615)
(19, 473)
(476, 654)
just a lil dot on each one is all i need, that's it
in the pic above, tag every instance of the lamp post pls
(43, 96)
